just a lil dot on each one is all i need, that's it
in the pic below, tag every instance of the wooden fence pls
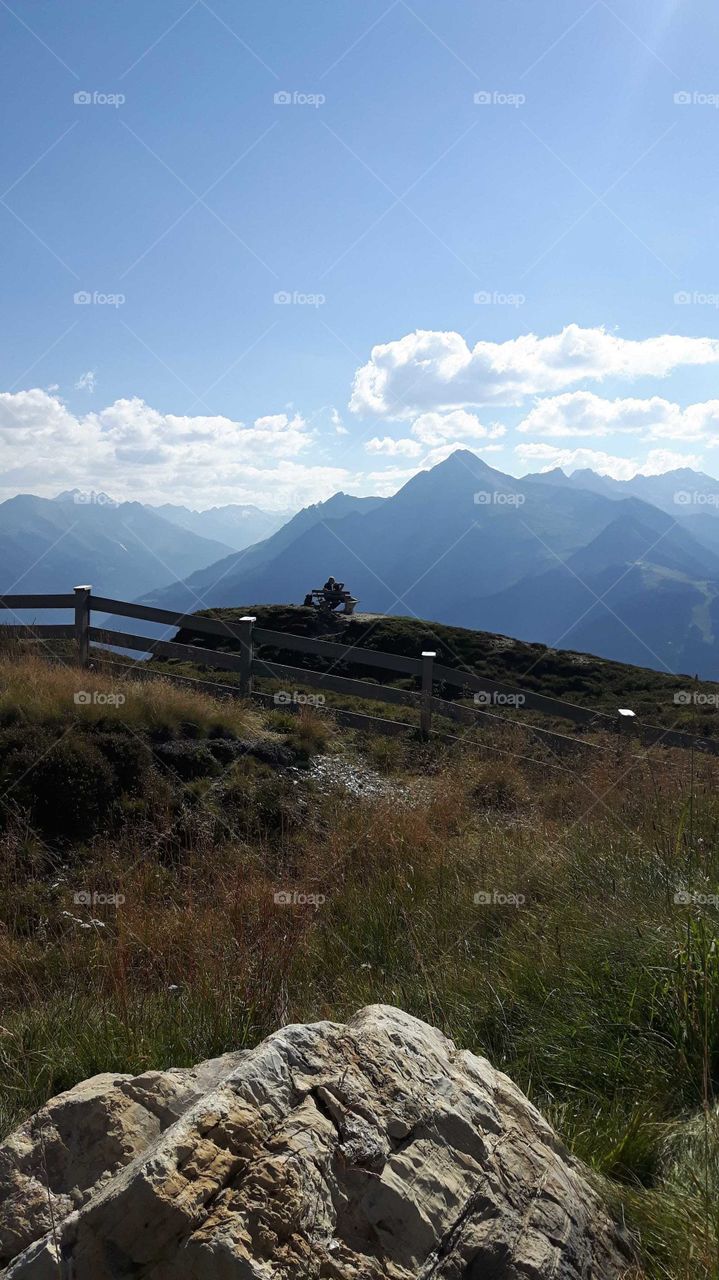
(248, 664)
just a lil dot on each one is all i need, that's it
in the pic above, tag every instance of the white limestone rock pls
(363, 1151)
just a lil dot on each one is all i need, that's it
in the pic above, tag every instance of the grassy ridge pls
(524, 904)
(575, 677)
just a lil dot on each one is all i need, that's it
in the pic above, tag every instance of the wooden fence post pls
(246, 656)
(82, 624)
(626, 720)
(425, 719)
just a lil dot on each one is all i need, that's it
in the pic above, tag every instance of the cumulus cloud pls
(437, 430)
(429, 370)
(458, 425)
(581, 413)
(546, 457)
(337, 423)
(134, 451)
(394, 448)
(86, 382)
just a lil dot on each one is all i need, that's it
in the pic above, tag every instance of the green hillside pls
(592, 682)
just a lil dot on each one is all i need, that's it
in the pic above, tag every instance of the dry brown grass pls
(592, 992)
(38, 692)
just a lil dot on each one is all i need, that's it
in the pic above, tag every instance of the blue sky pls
(384, 200)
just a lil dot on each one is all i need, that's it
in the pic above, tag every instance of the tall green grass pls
(577, 971)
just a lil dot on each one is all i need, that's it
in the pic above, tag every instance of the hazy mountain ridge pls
(123, 549)
(235, 525)
(581, 560)
(536, 557)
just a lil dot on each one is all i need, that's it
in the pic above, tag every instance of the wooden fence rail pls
(491, 696)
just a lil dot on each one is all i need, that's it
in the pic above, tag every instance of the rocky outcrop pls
(349, 1152)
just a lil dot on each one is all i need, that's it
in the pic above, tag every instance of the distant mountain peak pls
(462, 458)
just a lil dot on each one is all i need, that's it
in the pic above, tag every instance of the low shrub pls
(187, 759)
(499, 786)
(69, 789)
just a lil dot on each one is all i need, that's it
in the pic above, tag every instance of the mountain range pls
(627, 570)
(235, 526)
(617, 569)
(123, 549)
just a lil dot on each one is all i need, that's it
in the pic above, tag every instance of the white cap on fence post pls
(625, 717)
(247, 655)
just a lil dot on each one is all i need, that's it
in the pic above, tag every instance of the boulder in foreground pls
(363, 1151)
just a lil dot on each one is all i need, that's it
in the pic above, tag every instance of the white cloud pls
(581, 413)
(606, 464)
(385, 483)
(459, 425)
(446, 430)
(275, 422)
(133, 451)
(430, 370)
(337, 423)
(86, 381)
(394, 448)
